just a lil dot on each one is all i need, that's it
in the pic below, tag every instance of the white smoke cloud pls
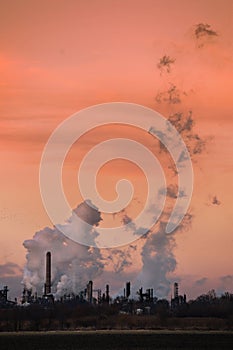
(158, 261)
(72, 264)
(157, 253)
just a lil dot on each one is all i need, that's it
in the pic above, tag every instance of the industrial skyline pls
(146, 299)
(56, 60)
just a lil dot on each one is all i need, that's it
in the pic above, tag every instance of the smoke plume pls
(158, 261)
(72, 264)
(157, 254)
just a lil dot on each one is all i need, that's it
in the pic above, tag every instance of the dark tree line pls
(216, 311)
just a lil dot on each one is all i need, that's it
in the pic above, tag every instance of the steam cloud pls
(72, 264)
(158, 260)
(157, 253)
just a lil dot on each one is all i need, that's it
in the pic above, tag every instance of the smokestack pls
(176, 290)
(47, 289)
(128, 289)
(107, 293)
(89, 291)
(4, 292)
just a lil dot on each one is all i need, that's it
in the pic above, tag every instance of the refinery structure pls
(144, 302)
(94, 308)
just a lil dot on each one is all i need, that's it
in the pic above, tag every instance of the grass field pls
(117, 340)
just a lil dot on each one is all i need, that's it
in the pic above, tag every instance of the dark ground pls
(117, 340)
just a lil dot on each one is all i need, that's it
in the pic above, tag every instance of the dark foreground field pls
(122, 340)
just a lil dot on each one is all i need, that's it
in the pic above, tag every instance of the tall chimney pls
(47, 287)
(107, 294)
(90, 291)
(176, 290)
(127, 289)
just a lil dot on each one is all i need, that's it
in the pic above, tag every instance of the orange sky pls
(57, 57)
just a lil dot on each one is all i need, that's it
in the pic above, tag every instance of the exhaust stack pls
(47, 286)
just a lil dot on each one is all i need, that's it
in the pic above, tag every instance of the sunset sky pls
(58, 57)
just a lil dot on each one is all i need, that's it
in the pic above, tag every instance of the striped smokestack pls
(47, 289)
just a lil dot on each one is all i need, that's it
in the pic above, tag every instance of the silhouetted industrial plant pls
(92, 302)
(95, 296)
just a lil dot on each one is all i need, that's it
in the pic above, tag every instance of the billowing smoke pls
(72, 264)
(121, 258)
(158, 259)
